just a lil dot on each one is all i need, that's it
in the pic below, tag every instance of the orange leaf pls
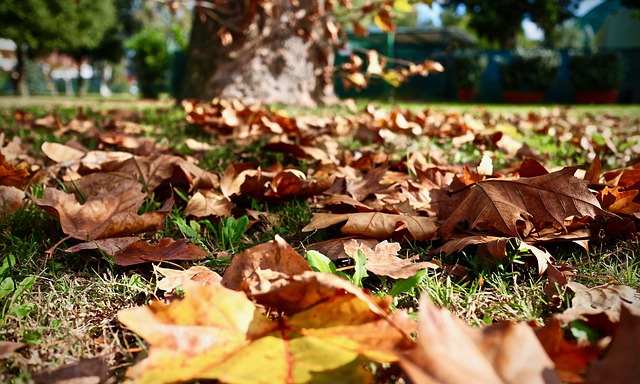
(216, 333)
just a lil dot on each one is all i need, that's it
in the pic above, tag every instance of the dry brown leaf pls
(174, 278)
(111, 246)
(383, 260)
(377, 225)
(166, 249)
(449, 351)
(570, 359)
(11, 198)
(85, 371)
(334, 248)
(621, 362)
(276, 255)
(293, 183)
(619, 201)
(513, 207)
(599, 307)
(8, 347)
(209, 203)
(109, 214)
(12, 175)
(61, 153)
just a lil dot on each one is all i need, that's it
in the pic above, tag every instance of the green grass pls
(65, 305)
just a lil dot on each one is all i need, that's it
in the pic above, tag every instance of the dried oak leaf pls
(377, 225)
(449, 351)
(620, 364)
(166, 249)
(112, 213)
(509, 206)
(174, 278)
(383, 260)
(216, 333)
(275, 255)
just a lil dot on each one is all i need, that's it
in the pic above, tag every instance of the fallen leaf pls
(11, 198)
(334, 248)
(509, 205)
(570, 359)
(12, 175)
(85, 371)
(109, 214)
(166, 249)
(111, 247)
(377, 225)
(214, 332)
(619, 201)
(599, 307)
(449, 351)
(620, 363)
(209, 203)
(61, 153)
(174, 278)
(383, 260)
(275, 255)
(8, 347)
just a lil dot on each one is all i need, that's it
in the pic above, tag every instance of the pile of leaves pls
(301, 318)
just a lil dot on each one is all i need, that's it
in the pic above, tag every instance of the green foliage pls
(534, 70)
(469, 66)
(500, 21)
(151, 61)
(600, 71)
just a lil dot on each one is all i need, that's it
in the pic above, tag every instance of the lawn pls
(220, 179)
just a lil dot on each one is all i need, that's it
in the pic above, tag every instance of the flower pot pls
(523, 97)
(466, 94)
(597, 97)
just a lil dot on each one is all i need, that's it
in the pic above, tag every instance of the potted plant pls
(526, 75)
(469, 66)
(595, 77)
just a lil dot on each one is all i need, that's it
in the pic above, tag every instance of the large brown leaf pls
(276, 255)
(377, 225)
(166, 249)
(512, 207)
(621, 363)
(111, 213)
(448, 351)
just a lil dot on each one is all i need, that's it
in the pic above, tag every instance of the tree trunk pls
(282, 54)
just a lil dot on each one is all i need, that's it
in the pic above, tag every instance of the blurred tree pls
(40, 26)
(499, 21)
(275, 51)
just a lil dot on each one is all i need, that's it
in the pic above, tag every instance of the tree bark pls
(278, 54)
